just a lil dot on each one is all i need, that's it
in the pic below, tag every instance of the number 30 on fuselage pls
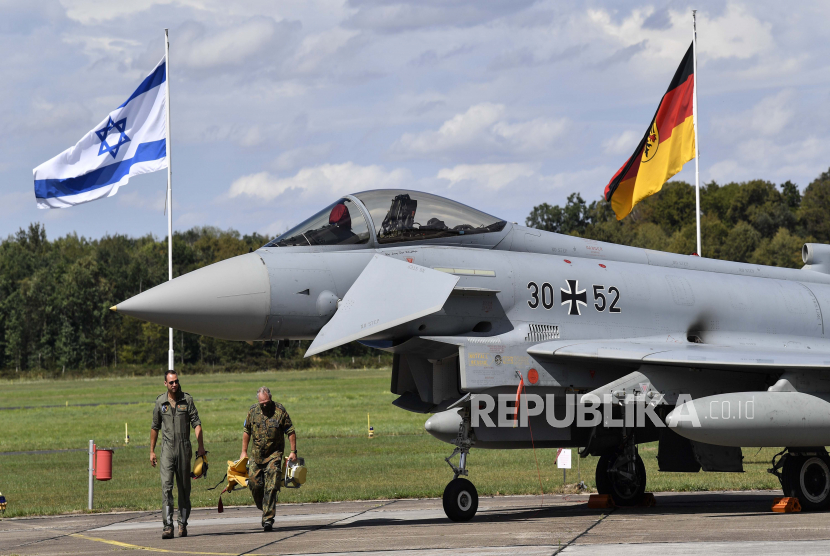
(544, 295)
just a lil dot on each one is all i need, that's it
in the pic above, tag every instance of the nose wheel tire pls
(808, 479)
(460, 500)
(621, 478)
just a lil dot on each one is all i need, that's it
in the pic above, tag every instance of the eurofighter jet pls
(610, 343)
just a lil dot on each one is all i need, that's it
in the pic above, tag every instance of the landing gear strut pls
(804, 473)
(622, 475)
(460, 496)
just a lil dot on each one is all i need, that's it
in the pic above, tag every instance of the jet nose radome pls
(230, 299)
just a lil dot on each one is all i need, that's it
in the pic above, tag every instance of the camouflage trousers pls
(264, 482)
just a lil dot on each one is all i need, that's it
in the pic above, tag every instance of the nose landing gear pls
(460, 495)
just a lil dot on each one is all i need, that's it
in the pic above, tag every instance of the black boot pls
(167, 519)
(183, 515)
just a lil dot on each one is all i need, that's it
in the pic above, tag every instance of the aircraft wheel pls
(603, 483)
(614, 478)
(808, 479)
(460, 500)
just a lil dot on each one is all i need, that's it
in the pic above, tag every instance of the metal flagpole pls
(170, 354)
(694, 114)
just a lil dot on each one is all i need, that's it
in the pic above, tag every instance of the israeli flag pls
(128, 142)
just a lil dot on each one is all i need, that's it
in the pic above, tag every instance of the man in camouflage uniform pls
(267, 423)
(174, 413)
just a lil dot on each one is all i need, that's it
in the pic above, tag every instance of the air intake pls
(542, 333)
(816, 257)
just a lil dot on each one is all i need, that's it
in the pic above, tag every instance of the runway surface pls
(734, 523)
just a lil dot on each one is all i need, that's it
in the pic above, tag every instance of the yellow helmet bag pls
(200, 467)
(237, 475)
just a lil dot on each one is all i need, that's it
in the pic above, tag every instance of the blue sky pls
(280, 107)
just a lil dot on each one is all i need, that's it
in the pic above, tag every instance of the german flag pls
(668, 144)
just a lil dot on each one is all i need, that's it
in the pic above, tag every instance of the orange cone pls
(221, 507)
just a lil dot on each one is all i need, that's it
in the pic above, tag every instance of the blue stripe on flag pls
(153, 80)
(101, 177)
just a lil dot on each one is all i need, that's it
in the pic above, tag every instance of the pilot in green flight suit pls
(174, 413)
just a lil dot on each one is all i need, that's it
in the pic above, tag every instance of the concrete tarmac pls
(734, 523)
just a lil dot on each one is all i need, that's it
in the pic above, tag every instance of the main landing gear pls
(804, 473)
(622, 475)
(461, 496)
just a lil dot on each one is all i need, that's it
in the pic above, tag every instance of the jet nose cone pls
(230, 299)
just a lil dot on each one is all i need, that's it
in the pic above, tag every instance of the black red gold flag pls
(668, 144)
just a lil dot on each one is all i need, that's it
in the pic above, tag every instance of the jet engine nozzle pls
(230, 300)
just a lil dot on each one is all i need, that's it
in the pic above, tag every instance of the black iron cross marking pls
(574, 296)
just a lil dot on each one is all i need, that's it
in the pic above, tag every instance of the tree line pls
(55, 298)
(753, 221)
(55, 294)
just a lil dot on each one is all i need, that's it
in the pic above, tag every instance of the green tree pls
(740, 221)
(782, 250)
(741, 242)
(573, 218)
(815, 207)
(791, 194)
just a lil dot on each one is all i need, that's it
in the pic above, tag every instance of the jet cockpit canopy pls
(395, 215)
(341, 223)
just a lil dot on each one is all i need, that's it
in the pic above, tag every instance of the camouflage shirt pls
(267, 430)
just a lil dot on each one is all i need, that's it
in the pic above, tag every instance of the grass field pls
(329, 411)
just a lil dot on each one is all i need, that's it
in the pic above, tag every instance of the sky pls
(279, 108)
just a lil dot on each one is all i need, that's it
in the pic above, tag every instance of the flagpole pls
(171, 358)
(694, 112)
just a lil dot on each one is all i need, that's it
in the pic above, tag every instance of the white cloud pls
(734, 33)
(297, 87)
(458, 132)
(484, 129)
(259, 39)
(491, 176)
(94, 11)
(773, 114)
(47, 116)
(328, 180)
(771, 117)
(293, 158)
(771, 140)
(144, 198)
(398, 16)
(624, 143)
(317, 50)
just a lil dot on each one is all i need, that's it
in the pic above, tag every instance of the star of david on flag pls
(131, 140)
(103, 134)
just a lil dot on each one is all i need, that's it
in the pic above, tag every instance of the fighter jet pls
(472, 306)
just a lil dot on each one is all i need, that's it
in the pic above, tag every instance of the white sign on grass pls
(564, 459)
